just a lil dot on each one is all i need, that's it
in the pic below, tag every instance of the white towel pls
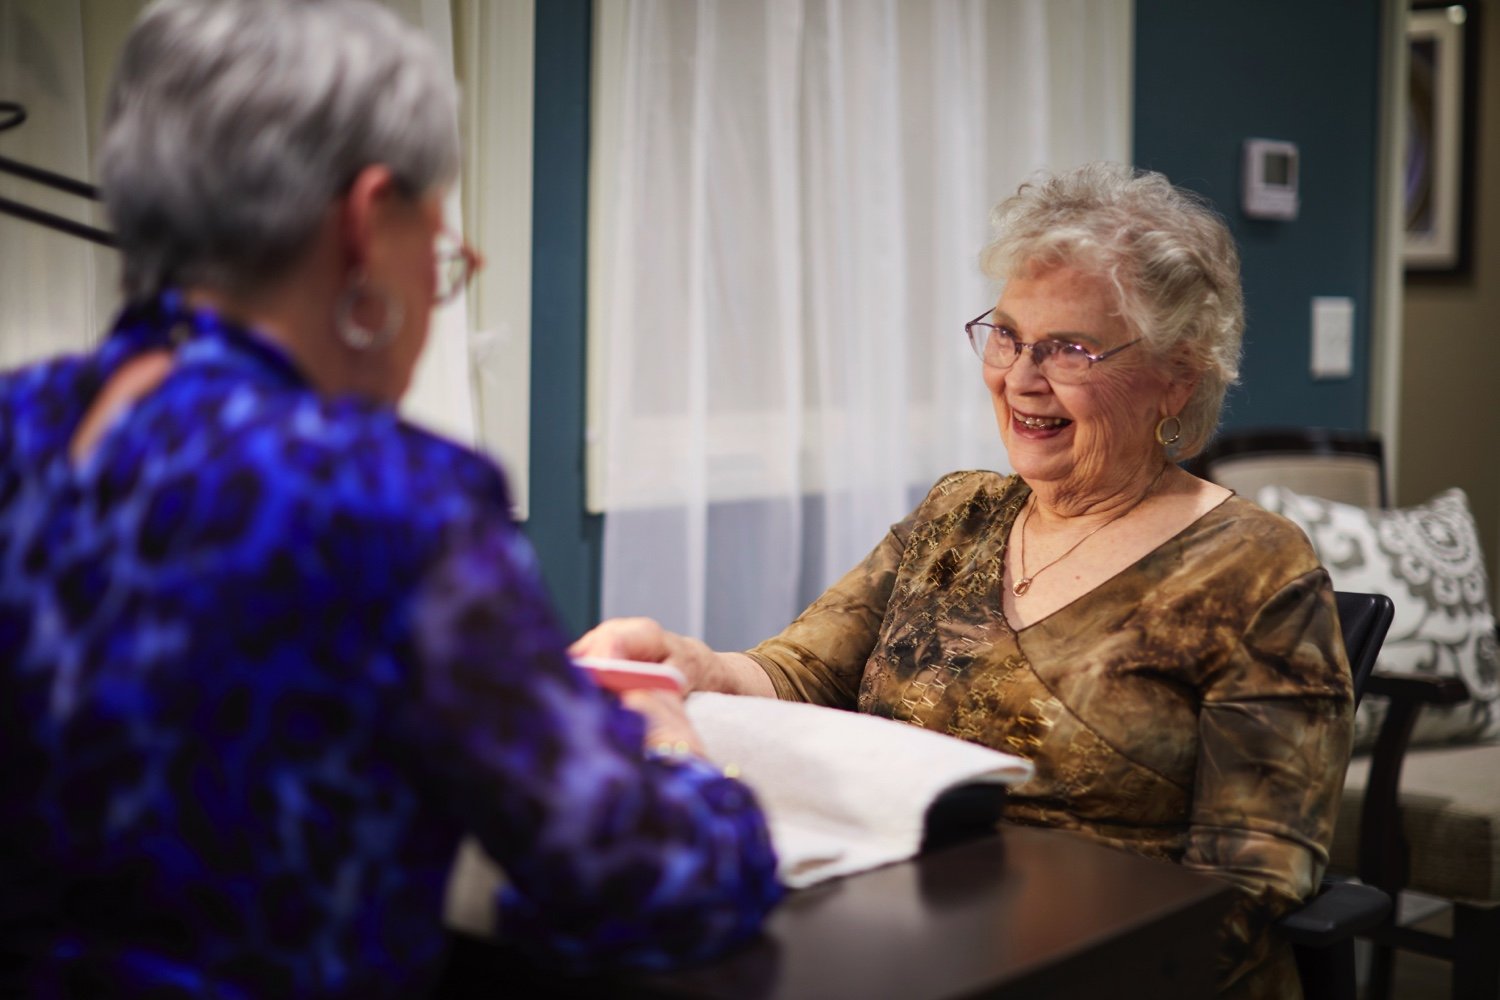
(843, 792)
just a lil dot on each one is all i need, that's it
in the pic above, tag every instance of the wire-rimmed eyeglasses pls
(455, 263)
(1057, 360)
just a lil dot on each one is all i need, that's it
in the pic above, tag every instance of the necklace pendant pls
(1021, 586)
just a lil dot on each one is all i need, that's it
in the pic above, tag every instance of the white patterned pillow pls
(1428, 561)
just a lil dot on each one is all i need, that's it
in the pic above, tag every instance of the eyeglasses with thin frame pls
(1057, 360)
(455, 263)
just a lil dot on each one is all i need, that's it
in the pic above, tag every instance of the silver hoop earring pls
(357, 336)
(1165, 439)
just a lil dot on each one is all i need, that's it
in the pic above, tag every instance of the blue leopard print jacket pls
(266, 658)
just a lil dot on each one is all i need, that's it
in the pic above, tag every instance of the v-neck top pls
(1195, 707)
(265, 657)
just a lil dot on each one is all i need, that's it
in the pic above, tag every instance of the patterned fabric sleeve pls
(1275, 730)
(820, 657)
(611, 858)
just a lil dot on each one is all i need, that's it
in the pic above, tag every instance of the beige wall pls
(1450, 385)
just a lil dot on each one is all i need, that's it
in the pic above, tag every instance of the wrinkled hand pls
(666, 719)
(645, 640)
(624, 639)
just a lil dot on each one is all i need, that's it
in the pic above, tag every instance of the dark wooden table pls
(1023, 913)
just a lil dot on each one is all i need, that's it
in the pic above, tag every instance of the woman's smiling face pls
(1093, 440)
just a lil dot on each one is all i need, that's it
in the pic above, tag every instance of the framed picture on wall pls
(1439, 140)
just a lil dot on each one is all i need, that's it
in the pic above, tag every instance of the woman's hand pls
(641, 639)
(666, 717)
(644, 639)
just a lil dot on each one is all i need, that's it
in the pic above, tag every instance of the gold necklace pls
(1024, 583)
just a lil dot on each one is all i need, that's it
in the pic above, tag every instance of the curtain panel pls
(788, 200)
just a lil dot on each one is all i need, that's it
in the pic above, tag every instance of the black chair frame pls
(1322, 932)
(1384, 855)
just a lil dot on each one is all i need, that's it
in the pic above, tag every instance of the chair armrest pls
(1384, 856)
(1418, 688)
(1339, 911)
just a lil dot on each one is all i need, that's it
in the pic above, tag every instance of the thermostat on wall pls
(1269, 190)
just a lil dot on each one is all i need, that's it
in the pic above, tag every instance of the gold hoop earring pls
(1165, 439)
(355, 334)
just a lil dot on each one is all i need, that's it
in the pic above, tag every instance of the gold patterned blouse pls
(1195, 707)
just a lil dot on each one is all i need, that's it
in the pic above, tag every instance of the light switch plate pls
(1332, 337)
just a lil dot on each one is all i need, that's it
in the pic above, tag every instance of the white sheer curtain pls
(441, 396)
(493, 42)
(788, 201)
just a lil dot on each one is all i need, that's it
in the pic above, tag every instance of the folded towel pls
(843, 792)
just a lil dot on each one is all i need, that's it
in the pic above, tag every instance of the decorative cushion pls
(1428, 561)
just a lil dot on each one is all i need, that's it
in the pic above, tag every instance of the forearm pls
(705, 670)
(735, 673)
(709, 670)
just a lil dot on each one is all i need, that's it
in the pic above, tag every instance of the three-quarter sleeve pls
(820, 657)
(610, 858)
(1275, 729)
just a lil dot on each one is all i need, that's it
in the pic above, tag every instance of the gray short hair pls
(233, 124)
(1169, 256)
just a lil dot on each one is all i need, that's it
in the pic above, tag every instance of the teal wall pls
(566, 538)
(1209, 75)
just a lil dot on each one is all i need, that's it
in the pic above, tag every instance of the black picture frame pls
(1438, 162)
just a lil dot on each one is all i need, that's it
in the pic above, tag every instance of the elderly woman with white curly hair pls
(1165, 652)
(267, 652)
